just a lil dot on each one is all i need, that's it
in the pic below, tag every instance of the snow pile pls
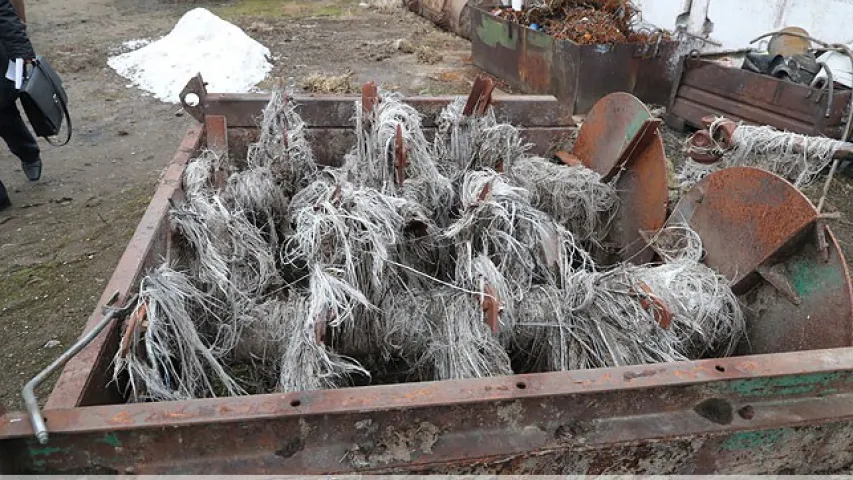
(228, 59)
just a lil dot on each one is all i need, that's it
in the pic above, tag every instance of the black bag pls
(45, 101)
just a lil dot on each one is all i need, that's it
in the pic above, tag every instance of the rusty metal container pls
(706, 88)
(770, 413)
(451, 15)
(534, 62)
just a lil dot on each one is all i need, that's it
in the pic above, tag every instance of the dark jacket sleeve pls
(13, 33)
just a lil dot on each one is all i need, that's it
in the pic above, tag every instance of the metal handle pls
(28, 392)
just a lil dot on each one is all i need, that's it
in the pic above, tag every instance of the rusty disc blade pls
(759, 231)
(609, 128)
(744, 215)
(823, 315)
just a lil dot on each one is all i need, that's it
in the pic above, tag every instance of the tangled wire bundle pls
(574, 196)
(469, 142)
(373, 162)
(174, 360)
(631, 315)
(459, 258)
(498, 220)
(797, 158)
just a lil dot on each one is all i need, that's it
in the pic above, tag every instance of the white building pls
(734, 23)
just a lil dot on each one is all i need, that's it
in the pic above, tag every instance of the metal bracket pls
(480, 97)
(638, 143)
(216, 129)
(30, 400)
(369, 97)
(775, 277)
(400, 160)
(194, 97)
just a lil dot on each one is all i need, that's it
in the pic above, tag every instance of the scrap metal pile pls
(585, 22)
(790, 56)
(459, 257)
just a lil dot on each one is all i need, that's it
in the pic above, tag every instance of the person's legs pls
(4, 197)
(20, 140)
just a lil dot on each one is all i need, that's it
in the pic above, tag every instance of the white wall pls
(736, 22)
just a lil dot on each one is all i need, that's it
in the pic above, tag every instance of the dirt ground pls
(61, 240)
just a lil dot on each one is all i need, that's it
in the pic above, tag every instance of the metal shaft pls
(30, 400)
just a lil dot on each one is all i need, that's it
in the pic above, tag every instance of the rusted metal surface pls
(241, 110)
(369, 97)
(216, 133)
(640, 142)
(789, 45)
(820, 317)
(708, 89)
(84, 379)
(480, 97)
(775, 413)
(567, 158)
(760, 232)
(330, 144)
(755, 210)
(619, 136)
(478, 425)
(534, 62)
(608, 128)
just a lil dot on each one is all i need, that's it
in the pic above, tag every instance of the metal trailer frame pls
(704, 88)
(774, 413)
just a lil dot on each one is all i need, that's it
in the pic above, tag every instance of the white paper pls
(15, 72)
(19, 73)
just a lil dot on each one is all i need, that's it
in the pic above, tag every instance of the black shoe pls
(5, 203)
(32, 170)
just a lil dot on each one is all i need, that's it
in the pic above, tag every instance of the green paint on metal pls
(37, 451)
(753, 440)
(494, 33)
(635, 126)
(539, 40)
(111, 439)
(812, 383)
(809, 277)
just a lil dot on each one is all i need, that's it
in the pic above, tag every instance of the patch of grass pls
(23, 276)
(276, 9)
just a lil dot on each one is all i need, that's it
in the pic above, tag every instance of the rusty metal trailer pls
(786, 411)
(705, 88)
(531, 61)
